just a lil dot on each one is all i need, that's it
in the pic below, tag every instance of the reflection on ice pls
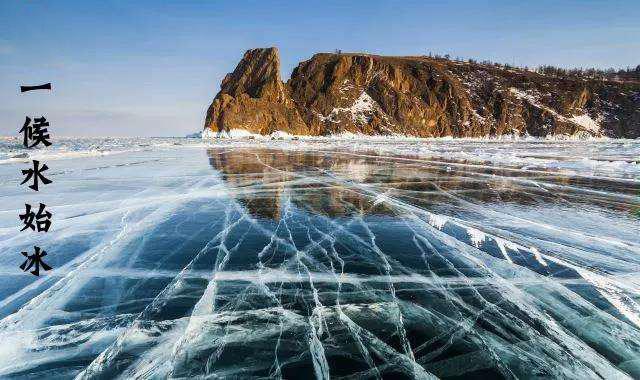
(252, 261)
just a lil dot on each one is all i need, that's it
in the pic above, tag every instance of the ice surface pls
(326, 258)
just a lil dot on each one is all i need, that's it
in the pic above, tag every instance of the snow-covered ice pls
(331, 257)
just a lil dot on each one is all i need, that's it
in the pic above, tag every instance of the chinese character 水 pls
(36, 173)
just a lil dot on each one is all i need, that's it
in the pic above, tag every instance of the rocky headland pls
(418, 96)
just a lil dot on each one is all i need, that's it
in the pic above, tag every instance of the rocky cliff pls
(417, 96)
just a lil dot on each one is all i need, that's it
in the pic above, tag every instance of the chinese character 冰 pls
(42, 218)
(36, 173)
(34, 260)
(37, 133)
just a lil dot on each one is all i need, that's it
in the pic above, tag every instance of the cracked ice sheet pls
(243, 261)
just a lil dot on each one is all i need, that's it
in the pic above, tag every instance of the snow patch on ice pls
(477, 237)
(282, 135)
(538, 256)
(235, 134)
(503, 245)
(207, 134)
(238, 133)
(437, 221)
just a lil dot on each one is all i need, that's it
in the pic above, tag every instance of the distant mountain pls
(418, 96)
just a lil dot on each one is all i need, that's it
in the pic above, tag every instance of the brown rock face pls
(380, 95)
(254, 98)
(417, 96)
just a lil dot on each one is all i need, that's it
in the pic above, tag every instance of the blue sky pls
(145, 68)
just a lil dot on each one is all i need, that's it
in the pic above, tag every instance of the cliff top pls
(421, 96)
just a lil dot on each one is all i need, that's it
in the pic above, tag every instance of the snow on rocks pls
(360, 110)
(584, 120)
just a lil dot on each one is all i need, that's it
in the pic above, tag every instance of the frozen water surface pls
(326, 258)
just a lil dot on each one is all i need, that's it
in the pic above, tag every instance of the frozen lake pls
(335, 258)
